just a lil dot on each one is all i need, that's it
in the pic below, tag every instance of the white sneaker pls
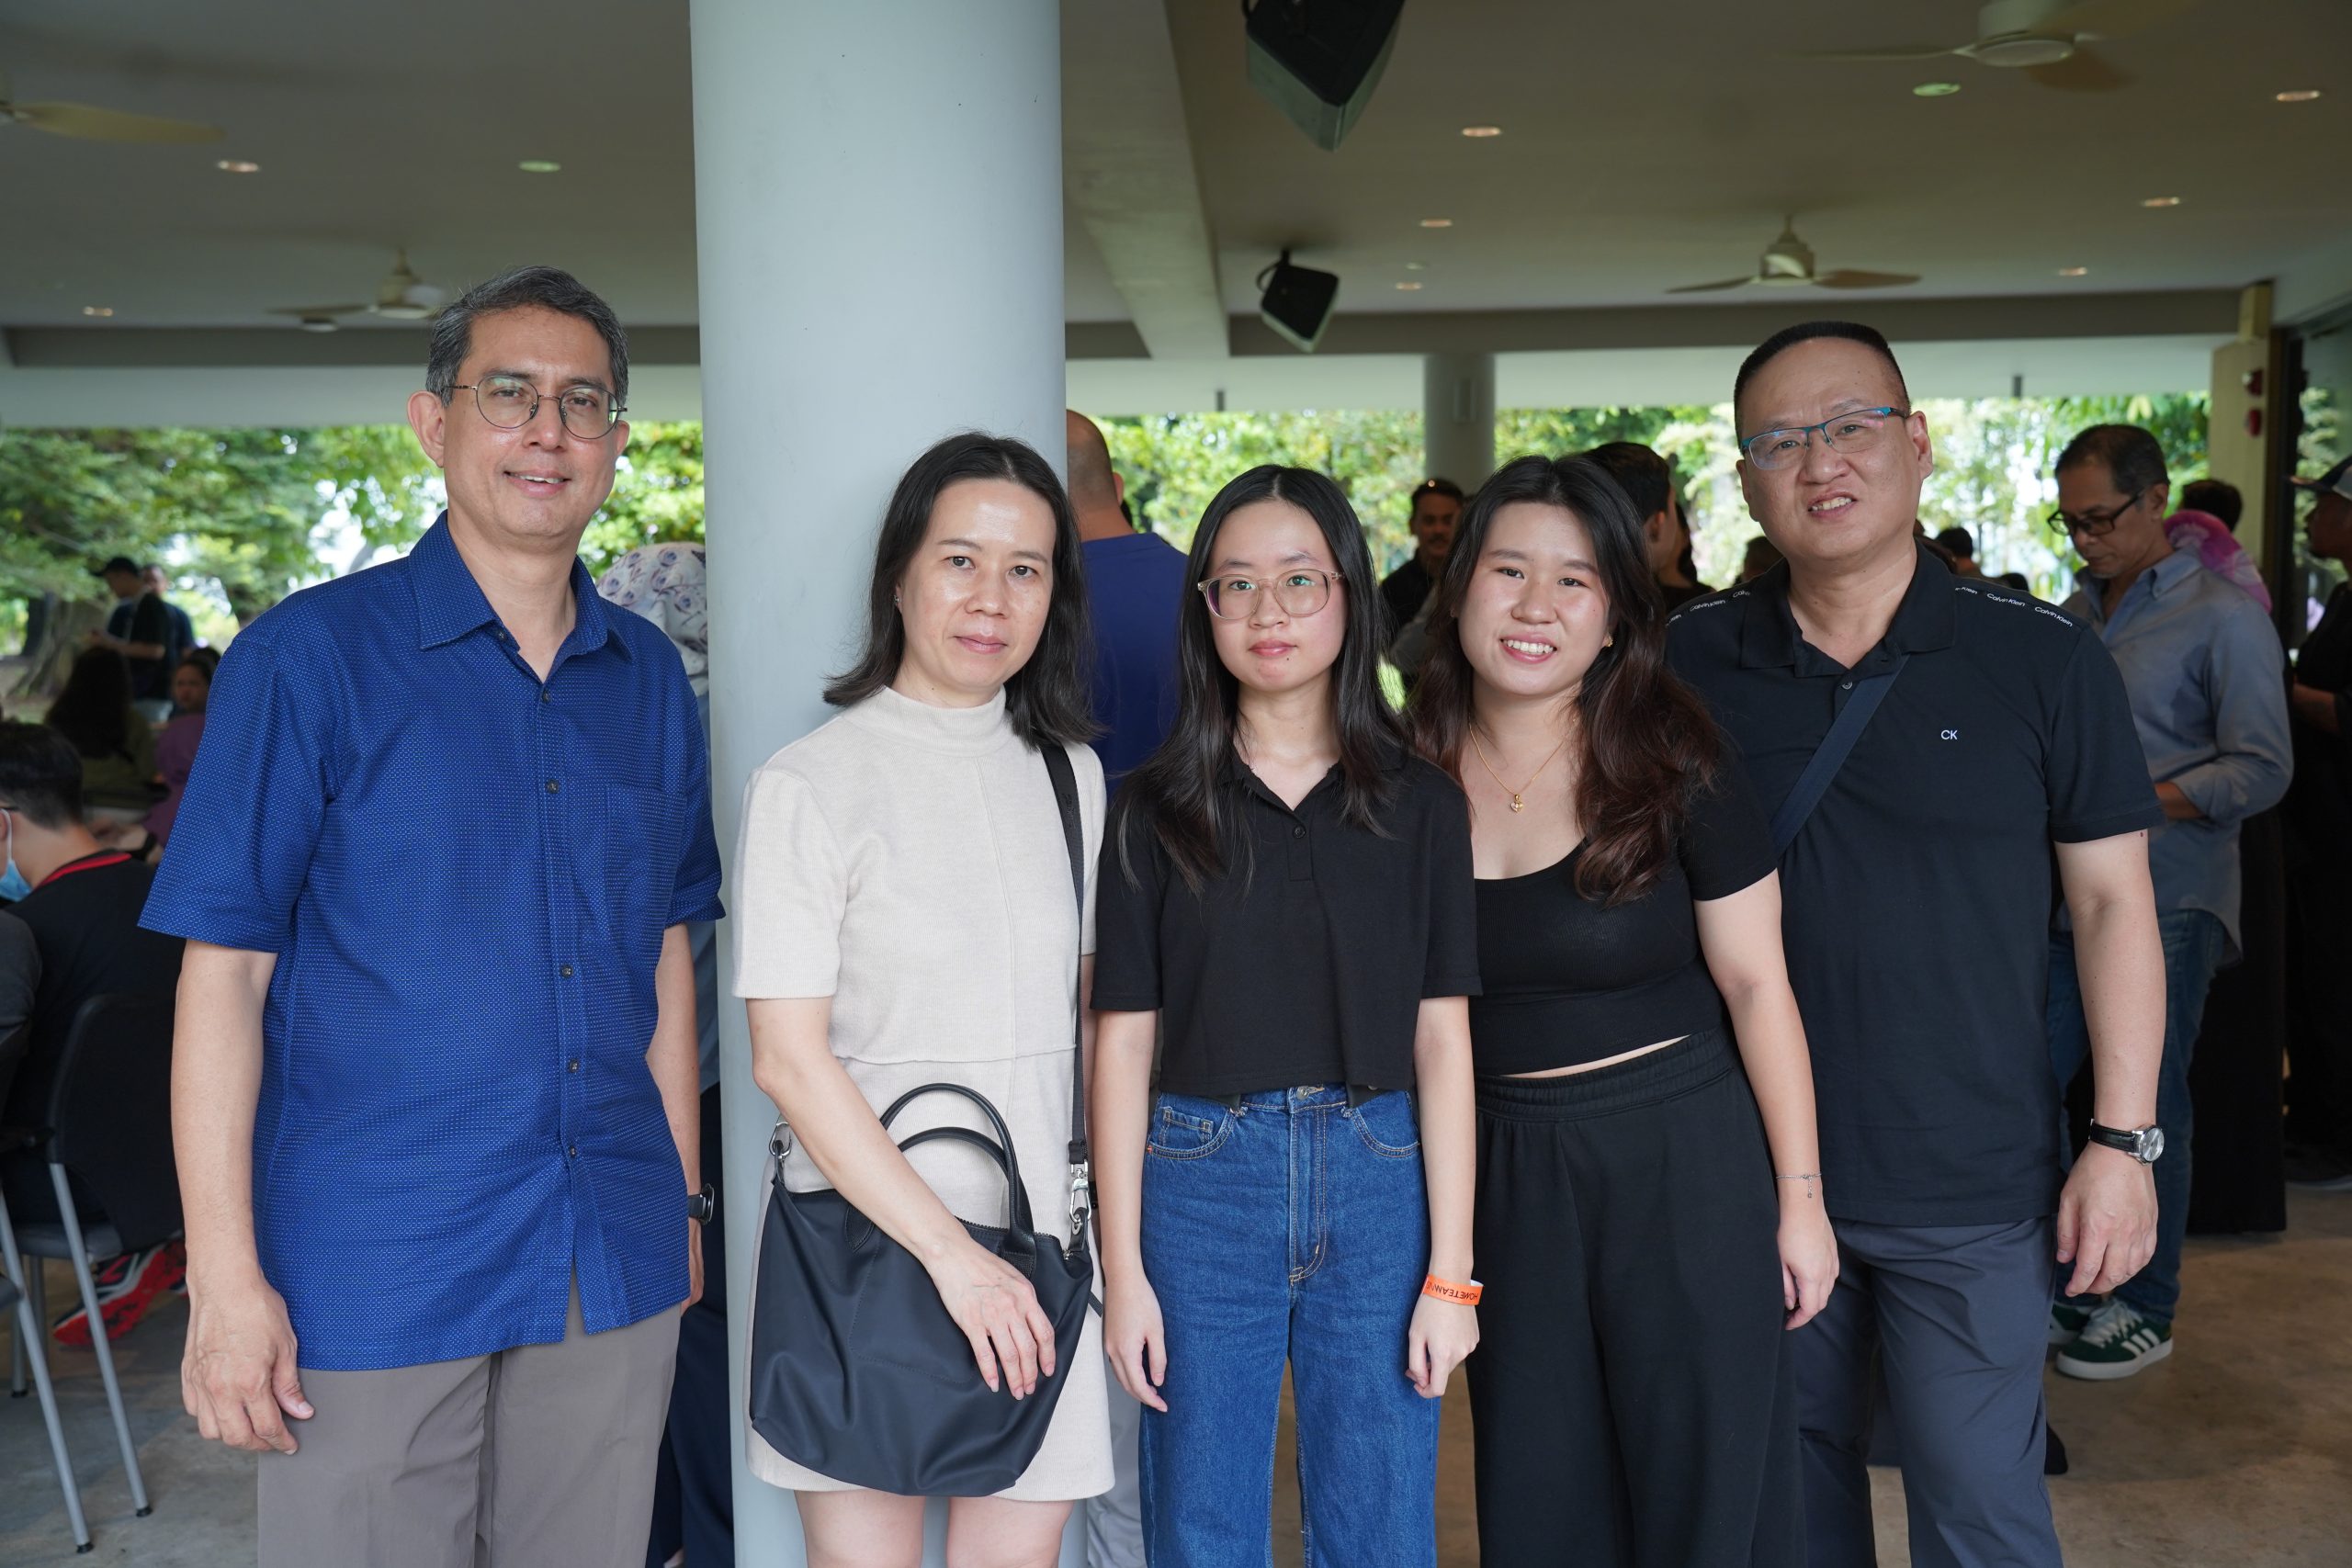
(2116, 1343)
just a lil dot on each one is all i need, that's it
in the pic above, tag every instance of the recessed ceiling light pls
(2161, 201)
(2298, 96)
(2073, 271)
(97, 309)
(1408, 287)
(1417, 266)
(238, 166)
(539, 166)
(1437, 222)
(1935, 89)
(1480, 132)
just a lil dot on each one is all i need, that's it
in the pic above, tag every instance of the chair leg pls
(30, 1327)
(98, 1337)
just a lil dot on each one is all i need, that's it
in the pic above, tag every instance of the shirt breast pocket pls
(640, 835)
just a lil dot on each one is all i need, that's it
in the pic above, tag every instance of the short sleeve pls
(2096, 774)
(1450, 968)
(1130, 880)
(241, 847)
(696, 895)
(791, 891)
(1726, 843)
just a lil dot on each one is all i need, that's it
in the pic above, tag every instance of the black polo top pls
(1305, 961)
(1918, 894)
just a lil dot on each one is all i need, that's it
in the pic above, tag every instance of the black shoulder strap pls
(1065, 796)
(1836, 746)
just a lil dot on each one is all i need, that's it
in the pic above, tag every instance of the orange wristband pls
(1447, 1290)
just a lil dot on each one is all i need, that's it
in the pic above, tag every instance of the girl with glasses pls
(1646, 1238)
(1285, 909)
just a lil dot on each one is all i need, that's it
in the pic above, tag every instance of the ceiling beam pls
(1127, 174)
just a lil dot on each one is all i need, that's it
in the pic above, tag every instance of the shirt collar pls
(2160, 578)
(450, 603)
(1927, 619)
(1394, 757)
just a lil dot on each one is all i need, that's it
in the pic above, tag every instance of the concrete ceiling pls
(1643, 145)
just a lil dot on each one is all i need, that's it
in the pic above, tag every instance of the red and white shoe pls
(127, 1286)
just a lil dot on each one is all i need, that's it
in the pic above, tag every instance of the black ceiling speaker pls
(1297, 301)
(1318, 60)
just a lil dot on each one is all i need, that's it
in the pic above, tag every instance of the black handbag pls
(857, 1372)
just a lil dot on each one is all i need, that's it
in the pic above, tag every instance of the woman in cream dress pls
(903, 915)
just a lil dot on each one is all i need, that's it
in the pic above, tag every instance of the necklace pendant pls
(1517, 804)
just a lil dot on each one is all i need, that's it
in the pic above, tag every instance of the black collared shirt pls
(1305, 961)
(1918, 895)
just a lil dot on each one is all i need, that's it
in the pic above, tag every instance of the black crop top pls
(1569, 980)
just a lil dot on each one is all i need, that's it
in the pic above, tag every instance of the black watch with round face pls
(2143, 1144)
(702, 1206)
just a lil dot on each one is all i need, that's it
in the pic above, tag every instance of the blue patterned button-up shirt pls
(466, 875)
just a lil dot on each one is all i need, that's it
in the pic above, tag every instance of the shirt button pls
(567, 971)
(573, 1065)
(1842, 685)
(553, 786)
(1298, 832)
(546, 695)
(571, 1153)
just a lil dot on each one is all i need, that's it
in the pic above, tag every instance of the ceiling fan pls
(2044, 39)
(88, 123)
(401, 297)
(1787, 262)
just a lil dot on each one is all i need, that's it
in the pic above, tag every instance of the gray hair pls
(2132, 457)
(550, 289)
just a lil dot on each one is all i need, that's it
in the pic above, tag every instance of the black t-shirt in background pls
(1571, 979)
(1305, 961)
(1916, 897)
(148, 620)
(85, 924)
(1404, 591)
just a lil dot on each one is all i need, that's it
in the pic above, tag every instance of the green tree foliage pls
(657, 494)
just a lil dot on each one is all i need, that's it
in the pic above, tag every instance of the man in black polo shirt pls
(1918, 910)
(83, 910)
(139, 629)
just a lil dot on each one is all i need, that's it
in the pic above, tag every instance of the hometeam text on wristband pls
(1447, 1290)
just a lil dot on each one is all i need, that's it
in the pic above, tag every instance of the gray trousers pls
(1114, 1520)
(538, 1457)
(1958, 1318)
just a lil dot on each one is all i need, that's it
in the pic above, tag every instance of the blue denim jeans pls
(1291, 1229)
(2193, 942)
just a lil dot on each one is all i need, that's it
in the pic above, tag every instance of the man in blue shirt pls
(2202, 667)
(1135, 581)
(434, 1075)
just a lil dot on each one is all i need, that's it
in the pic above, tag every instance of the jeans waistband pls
(1306, 1097)
(1692, 1062)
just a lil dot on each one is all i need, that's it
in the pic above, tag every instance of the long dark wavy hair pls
(1048, 699)
(1645, 742)
(93, 710)
(1175, 794)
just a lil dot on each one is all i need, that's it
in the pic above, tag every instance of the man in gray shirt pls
(2202, 667)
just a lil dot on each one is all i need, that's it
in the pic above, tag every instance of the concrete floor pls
(2237, 1453)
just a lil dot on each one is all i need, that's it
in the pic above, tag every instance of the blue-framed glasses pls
(1856, 430)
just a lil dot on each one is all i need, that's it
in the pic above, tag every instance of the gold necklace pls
(1519, 796)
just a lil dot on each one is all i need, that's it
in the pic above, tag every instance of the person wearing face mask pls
(434, 1096)
(1928, 748)
(905, 915)
(2202, 665)
(81, 902)
(1637, 1020)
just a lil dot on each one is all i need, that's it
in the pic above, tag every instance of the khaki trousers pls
(538, 1457)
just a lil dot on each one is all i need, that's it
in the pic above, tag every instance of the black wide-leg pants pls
(1632, 1391)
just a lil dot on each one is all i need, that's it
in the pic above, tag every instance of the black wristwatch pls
(702, 1206)
(2143, 1144)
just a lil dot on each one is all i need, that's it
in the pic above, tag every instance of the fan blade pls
(1895, 52)
(1711, 287)
(2082, 72)
(88, 123)
(1846, 278)
(318, 309)
(2112, 18)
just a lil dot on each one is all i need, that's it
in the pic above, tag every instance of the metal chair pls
(110, 1130)
(29, 1347)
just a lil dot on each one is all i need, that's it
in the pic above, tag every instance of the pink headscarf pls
(2217, 550)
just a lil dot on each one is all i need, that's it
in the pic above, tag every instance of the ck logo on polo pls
(1949, 734)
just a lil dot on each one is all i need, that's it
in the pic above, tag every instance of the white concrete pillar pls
(878, 210)
(1458, 417)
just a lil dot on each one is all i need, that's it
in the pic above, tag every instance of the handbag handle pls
(1016, 1209)
(1081, 1165)
(1018, 1204)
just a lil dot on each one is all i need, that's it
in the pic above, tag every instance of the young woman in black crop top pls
(1632, 1395)
(1286, 909)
